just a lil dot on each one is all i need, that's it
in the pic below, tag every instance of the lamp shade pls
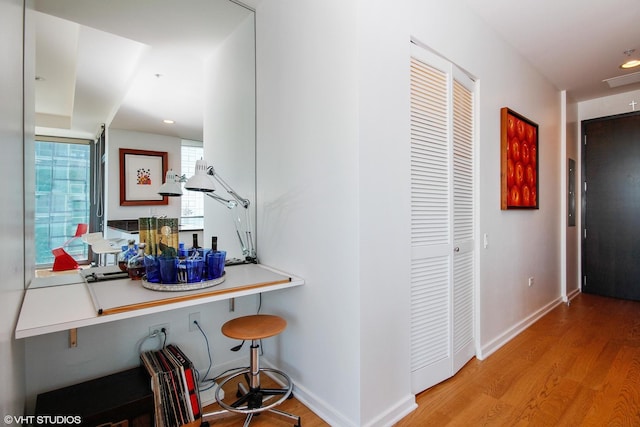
(171, 186)
(201, 181)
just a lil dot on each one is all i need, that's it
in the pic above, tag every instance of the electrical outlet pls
(193, 317)
(158, 329)
(530, 281)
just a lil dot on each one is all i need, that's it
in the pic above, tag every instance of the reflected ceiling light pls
(168, 121)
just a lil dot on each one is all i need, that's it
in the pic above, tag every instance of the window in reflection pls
(192, 201)
(62, 174)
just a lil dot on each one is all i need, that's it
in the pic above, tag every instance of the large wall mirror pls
(130, 64)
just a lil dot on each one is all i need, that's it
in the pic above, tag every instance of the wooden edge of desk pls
(181, 298)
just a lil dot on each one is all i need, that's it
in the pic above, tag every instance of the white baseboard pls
(325, 411)
(572, 295)
(334, 418)
(395, 413)
(515, 330)
(208, 396)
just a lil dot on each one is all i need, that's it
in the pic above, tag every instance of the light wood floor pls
(577, 366)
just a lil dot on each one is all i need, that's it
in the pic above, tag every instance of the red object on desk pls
(63, 261)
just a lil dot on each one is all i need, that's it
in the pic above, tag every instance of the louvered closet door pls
(442, 220)
(463, 221)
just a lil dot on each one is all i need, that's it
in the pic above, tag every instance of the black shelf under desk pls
(113, 399)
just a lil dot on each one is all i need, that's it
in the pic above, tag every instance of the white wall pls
(308, 194)
(12, 367)
(332, 174)
(608, 105)
(229, 132)
(118, 138)
(383, 234)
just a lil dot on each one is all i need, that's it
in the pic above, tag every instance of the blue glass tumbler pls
(215, 264)
(152, 268)
(168, 269)
(194, 267)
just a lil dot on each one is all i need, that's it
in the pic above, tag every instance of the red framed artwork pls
(518, 161)
(141, 175)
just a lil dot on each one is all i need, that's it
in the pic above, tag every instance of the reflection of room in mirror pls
(135, 65)
(98, 62)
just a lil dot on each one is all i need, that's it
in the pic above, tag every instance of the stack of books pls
(174, 385)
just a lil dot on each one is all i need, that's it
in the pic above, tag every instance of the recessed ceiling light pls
(169, 122)
(630, 63)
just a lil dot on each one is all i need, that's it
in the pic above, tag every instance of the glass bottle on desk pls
(215, 261)
(214, 248)
(195, 246)
(182, 251)
(135, 265)
(128, 252)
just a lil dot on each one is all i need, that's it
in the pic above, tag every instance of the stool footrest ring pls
(285, 391)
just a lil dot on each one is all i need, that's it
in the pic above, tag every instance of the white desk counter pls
(67, 304)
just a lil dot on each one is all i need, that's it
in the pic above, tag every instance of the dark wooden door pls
(611, 206)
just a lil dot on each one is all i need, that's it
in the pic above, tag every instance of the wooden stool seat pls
(254, 327)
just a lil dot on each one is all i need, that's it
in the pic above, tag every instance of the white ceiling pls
(576, 44)
(130, 63)
(106, 68)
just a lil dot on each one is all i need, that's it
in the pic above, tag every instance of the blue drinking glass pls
(168, 269)
(194, 267)
(152, 267)
(215, 264)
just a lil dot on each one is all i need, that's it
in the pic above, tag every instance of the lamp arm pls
(244, 202)
(228, 203)
(243, 232)
(246, 241)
